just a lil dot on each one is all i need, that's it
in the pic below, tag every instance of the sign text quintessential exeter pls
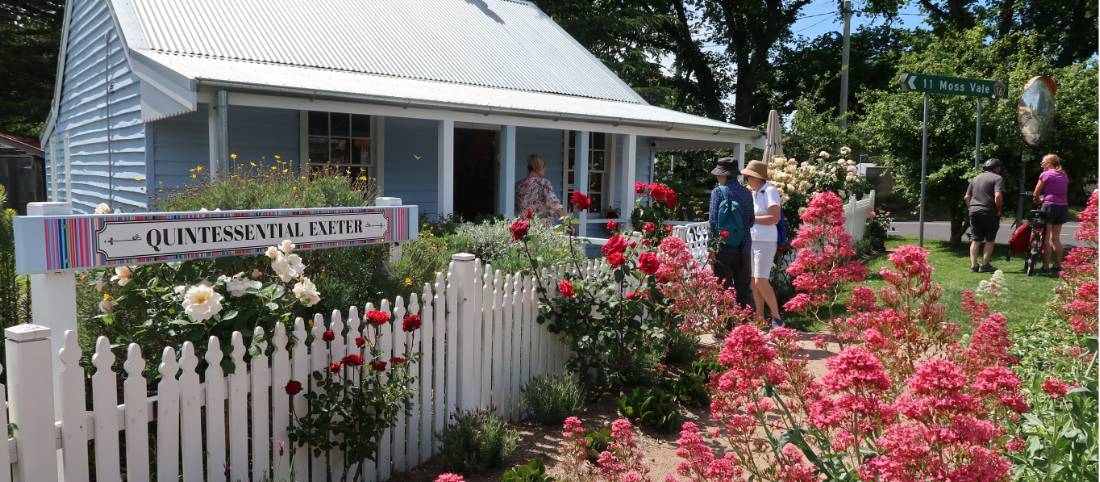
(60, 243)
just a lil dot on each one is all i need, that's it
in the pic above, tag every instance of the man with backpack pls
(731, 217)
(985, 200)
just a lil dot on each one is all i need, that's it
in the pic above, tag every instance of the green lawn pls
(1026, 298)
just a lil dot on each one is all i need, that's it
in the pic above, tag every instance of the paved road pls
(941, 231)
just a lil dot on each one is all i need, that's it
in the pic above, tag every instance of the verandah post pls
(32, 402)
(469, 379)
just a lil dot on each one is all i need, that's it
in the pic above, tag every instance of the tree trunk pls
(958, 224)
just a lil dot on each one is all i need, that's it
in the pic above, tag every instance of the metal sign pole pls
(923, 168)
(978, 136)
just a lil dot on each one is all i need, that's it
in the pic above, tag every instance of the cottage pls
(441, 101)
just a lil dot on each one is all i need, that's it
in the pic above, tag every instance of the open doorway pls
(475, 172)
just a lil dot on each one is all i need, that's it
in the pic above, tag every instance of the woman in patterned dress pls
(536, 193)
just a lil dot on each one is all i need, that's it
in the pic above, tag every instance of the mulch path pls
(541, 441)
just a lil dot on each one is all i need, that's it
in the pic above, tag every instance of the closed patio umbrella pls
(774, 148)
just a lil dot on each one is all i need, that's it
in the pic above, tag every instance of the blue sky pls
(821, 16)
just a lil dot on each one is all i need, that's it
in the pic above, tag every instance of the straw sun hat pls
(756, 169)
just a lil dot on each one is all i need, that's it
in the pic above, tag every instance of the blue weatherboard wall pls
(258, 134)
(177, 145)
(411, 164)
(547, 143)
(90, 60)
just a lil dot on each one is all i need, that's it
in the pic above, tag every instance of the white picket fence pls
(855, 215)
(697, 237)
(479, 344)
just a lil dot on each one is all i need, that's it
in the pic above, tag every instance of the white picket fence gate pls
(855, 215)
(479, 344)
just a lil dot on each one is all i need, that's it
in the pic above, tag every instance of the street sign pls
(938, 84)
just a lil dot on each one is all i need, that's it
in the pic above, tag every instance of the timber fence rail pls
(479, 344)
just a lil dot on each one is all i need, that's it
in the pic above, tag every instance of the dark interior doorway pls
(475, 171)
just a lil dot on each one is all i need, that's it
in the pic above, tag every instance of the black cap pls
(727, 166)
(992, 164)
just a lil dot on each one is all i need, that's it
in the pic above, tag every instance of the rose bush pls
(352, 402)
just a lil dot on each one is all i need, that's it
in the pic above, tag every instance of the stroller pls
(1028, 239)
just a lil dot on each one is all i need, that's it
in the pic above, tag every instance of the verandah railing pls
(479, 344)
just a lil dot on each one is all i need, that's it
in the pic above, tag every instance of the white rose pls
(844, 151)
(306, 292)
(823, 155)
(288, 267)
(286, 246)
(103, 208)
(804, 186)
(851, 162)
(791, 169)
(122, 275)
(238, 285)
(272, 252)
(201, 302)
(99, 285)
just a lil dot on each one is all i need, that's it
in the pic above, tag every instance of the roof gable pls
(505, 44)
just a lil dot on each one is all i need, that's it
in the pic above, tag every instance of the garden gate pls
(479, 343)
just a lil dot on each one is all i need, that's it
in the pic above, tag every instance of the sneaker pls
(974, 269)
(987, 268)
(777, 323)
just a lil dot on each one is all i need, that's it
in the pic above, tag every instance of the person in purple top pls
(1051, 191)
(733, 264)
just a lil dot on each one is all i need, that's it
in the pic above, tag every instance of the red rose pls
(378, 317)
(360, 341)
(566, 288)
(640, 187)
(528, 214)
(645, 242)
(353, 360)
(519, 230)
(648, 262)
(334, 368)
(662, 194)
(397, 360)
(617, 244)
(293, 387)
(411, 322)
(615, 260)
(612, 226)
(633, 295)
(668, 229)
(649, 227)
(328, 335)
(580, 201)
(724, 234)
(378, 365)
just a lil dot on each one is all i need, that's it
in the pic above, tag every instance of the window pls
(340, 142)
(598, 153)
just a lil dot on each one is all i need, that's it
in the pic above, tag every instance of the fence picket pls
(506, 364)
(442, 392)
(238, 410)
(190, 415)
(261, 432)
(105, 412)
(453, 339)
(74, 424)
(336, 348)
(137, 416)
(299, 371)
(426, 379)
(168, 418)
(280, 403)
(399, 429)
(485, 350)
(318, 360)
(215, 412)
(385, 444)
(370, 470)
(412, 427)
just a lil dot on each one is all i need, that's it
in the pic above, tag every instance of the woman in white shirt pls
(765, 237)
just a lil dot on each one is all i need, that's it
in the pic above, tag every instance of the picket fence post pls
(469, 320)
(29, 355)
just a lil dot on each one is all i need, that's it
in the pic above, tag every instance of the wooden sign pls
(62, 243)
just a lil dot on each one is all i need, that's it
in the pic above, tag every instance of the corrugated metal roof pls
(505, 44)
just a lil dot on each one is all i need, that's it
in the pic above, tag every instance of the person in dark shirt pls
(733, 264)
(985, 200)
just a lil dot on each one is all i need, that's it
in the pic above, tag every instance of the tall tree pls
(30, 33)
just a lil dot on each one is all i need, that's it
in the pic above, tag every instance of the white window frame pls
(606, 173)
(374, 167)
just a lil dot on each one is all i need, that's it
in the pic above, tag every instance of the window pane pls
(596, 163)
(570, 181)
(318, 150)
(599, 140)
(338, 151)
(360, 151)
(595, 182)
(341, 125)
(597, 204)
(572, 138)
(360, 126)
(318, 123)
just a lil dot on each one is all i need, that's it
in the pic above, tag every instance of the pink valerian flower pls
(1077, 293)
(1001, 388)
(573, 450)
(988, 345)
(694, 292)
(623, 459)
(698, 462)
(1055, 388)
(449, 477)
(1087, 231)
(795, 468)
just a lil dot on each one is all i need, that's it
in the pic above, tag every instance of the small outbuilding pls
(441, 101)
(22, 171)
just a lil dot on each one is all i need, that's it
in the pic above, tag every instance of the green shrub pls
(532, 471)
(690, 389)
(477, 441)
(598, 440)
(13, 300)
(492, 242)
(682, 347)
(654, 408)
(420, 260)
(552, 398)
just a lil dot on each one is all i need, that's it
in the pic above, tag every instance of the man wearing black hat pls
(733, 264)
(985, 198)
